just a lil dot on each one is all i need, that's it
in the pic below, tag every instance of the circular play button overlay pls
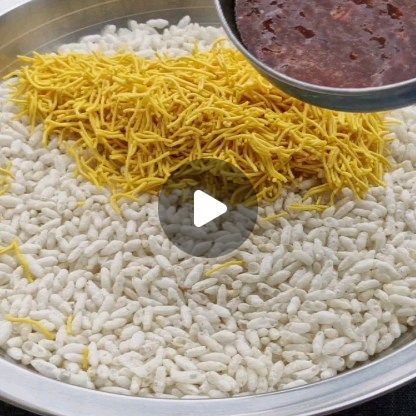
(208, 208)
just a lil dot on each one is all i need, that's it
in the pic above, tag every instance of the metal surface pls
(347, 99)
(42, 24)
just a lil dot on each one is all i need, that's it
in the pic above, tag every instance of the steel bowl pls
(27, 25)
(371, 99)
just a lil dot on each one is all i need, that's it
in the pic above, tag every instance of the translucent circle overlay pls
(224, 182)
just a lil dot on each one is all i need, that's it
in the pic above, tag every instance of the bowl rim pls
(57, 398)
(25, 388)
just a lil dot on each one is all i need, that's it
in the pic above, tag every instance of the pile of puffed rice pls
(317, 294)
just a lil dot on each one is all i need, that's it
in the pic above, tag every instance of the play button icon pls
(207, 208)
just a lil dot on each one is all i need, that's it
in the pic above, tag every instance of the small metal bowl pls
(383, 98)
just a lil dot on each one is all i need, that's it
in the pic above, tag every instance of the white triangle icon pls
(206, 208)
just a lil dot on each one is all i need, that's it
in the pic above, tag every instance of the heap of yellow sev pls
(130, 122)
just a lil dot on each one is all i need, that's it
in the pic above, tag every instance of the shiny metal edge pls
(27, 389)
(45, 396)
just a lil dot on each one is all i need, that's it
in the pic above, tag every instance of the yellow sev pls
(275, 217)
(5, 179)
(14, 246)
(85, 358)
(223, 266)
(69, 327)
(308, 207)
(38, 326)
(130, 122)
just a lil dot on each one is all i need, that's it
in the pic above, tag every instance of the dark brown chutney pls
(334, 43)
